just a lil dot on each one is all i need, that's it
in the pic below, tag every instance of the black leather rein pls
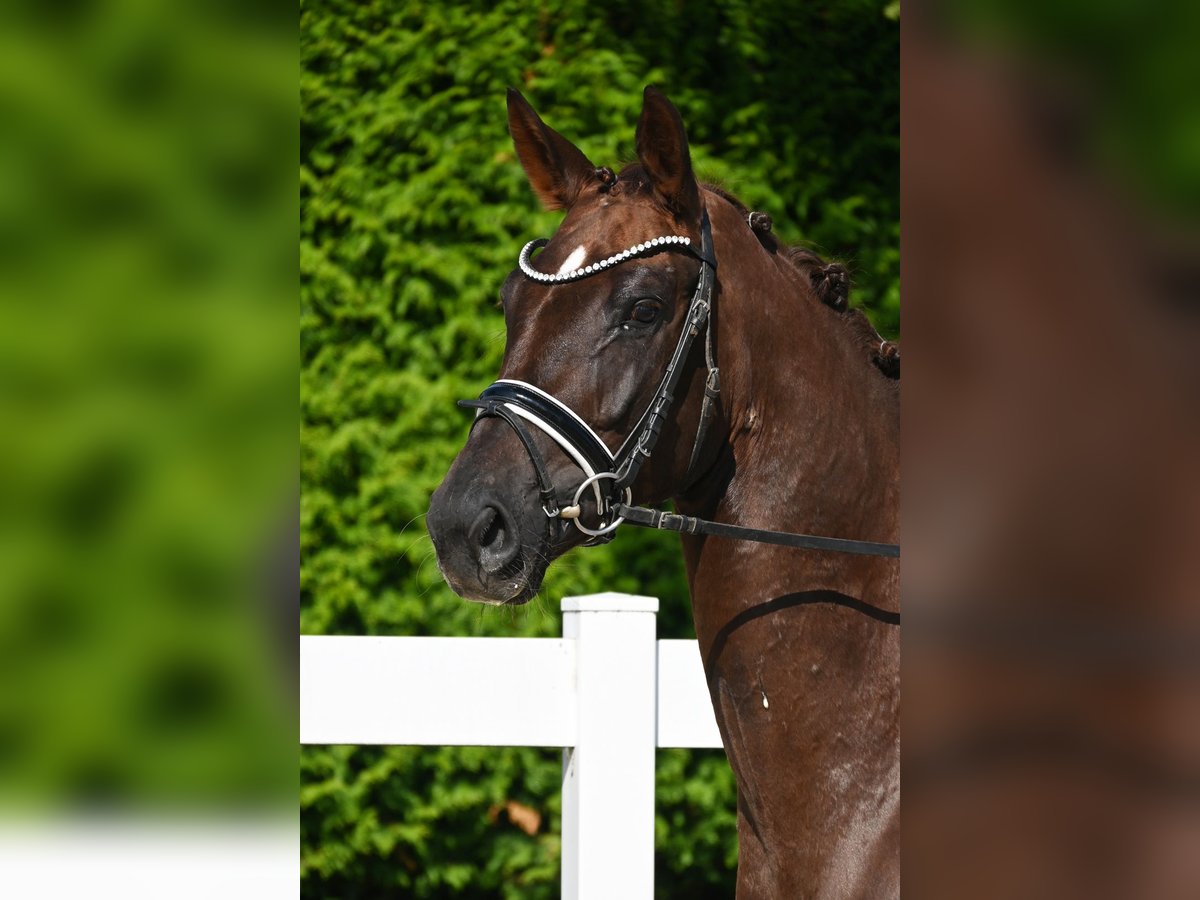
(609, 475)
(653, 518)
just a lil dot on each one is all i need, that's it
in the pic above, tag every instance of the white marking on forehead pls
(572, 262)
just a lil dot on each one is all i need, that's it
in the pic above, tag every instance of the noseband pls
(609, 475)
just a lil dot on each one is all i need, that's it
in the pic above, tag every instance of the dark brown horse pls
(799, 646)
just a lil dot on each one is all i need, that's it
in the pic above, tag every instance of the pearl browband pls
(593, 268)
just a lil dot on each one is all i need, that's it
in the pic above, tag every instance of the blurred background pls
(413, 210)
(1051, 650)
(148, 490)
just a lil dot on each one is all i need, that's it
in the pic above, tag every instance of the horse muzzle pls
(489, 533)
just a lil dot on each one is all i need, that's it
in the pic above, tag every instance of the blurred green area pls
(1120, 76)
(147, 407)
(413, 209)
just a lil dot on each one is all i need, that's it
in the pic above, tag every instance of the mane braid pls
(829, 281)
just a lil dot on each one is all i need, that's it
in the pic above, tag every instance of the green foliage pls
(147, 407)
(421, 822)
(1133, 113)
(413, 209)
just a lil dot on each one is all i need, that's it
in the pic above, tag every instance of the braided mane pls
(829, 281)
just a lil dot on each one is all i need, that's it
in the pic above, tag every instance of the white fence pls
(607, 692)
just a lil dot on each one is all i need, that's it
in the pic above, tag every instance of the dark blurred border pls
(1050, 185)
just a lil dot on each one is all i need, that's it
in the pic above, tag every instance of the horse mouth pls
(499, 596)
(524, 579)
(515, 584)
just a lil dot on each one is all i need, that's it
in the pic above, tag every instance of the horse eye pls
(645, 312)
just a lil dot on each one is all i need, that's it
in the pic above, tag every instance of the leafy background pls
(413, 208)
(147, 412)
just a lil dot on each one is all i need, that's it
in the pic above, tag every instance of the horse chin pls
(500, 596)
(515, 586)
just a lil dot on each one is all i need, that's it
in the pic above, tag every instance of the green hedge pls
(147, 414)
(413, 208)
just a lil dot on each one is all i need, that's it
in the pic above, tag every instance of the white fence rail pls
(607, 692)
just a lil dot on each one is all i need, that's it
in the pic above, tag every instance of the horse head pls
(591, 324)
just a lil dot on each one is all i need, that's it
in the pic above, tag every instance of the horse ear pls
(556, 168)
(662, 147)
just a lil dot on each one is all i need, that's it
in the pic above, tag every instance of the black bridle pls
(610, 475)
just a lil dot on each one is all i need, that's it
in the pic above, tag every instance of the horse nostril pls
(493, 533)
(489, 527)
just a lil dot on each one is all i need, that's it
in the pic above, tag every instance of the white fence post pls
(608, 777)
(607, 689)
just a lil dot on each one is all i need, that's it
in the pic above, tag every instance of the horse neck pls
(804, 688)
(812, 426)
